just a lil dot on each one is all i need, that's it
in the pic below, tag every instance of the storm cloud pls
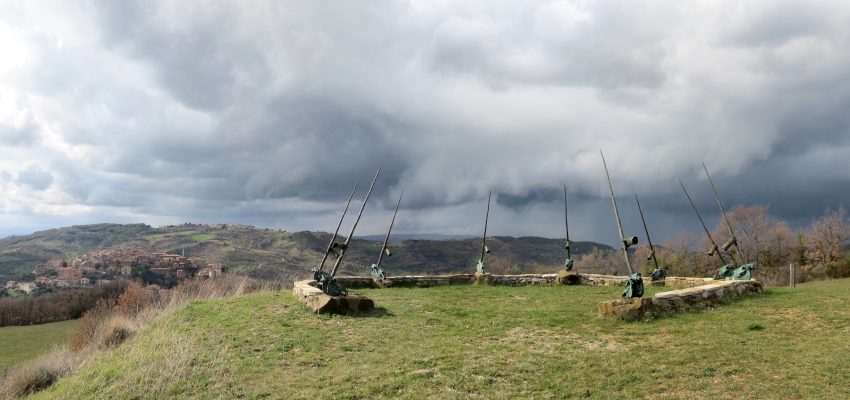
(266, 113)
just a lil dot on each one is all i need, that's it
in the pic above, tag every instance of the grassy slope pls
(21, 343)
(484, 342)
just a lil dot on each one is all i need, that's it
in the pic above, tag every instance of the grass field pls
(464, 342)
(21, 343)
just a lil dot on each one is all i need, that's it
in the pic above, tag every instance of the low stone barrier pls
(615, 280)
(564, 277)
(358, 282)
(678, 301)
(313, 297)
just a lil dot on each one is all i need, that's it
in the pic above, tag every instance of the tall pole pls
(390, 229)
(645, 229)
(714, 247)
(617, 215)
(484, 237)
(566, 224)
(732, 239)
(336, 232)
(359, 214)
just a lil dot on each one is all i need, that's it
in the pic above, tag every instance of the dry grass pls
(108, 325)
(40, 373)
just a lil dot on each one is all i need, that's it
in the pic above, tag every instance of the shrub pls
(89, 323)
(833, 270)
(37, 374)
(134, 299)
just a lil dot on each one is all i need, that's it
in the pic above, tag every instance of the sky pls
(266, 112)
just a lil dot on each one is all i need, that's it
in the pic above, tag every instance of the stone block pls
(628, 309)
(313, 297)
(568, 278)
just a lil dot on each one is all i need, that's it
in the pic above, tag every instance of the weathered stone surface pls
(483, 279)
(406, 281)
(563, 277)
(629, 309)
(313, 297)
(523, 280)
(568, 278)
(682, 300)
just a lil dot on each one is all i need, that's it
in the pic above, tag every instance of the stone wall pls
(356, 282)
(615, 280)
(678, 301)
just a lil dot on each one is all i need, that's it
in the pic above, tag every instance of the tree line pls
(58, 306)
(819, 250)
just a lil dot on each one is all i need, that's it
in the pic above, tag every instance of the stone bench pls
(678, 301)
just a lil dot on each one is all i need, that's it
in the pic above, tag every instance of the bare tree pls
(751, 226)
(827, 236)
(601, 261)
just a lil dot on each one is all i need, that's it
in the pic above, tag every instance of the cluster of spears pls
(634, 286)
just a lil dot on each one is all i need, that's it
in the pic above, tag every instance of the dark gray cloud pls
(266, 113)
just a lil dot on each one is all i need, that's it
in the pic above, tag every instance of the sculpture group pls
(327, 282)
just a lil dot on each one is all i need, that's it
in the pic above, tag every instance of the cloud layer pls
(266, 112)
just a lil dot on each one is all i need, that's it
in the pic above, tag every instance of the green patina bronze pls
(724, 272)
(658, 274)
(378, 272)
(744, 272)
(568, 264)
(634, 286)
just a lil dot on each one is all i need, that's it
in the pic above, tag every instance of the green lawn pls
(482, 342)
(21, 343)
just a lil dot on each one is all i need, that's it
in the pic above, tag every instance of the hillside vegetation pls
(21, 343)
(271, 254)
(482, 342)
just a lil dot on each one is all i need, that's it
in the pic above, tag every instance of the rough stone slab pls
(522, 280)
(565, 277)
(313, 297)
(677, 301)
(628, 309)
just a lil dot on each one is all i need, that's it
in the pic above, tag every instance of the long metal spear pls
(484, 248)
(714, 248)
(384, 248)
(336, 232)
(344, 246)
(645, 229)
(732, 239)
(617, 215)
(566, 225)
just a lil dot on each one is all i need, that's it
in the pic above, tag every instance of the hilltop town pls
(101, 267)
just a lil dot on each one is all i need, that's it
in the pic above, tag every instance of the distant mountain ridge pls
(280, 255)
(401, 237)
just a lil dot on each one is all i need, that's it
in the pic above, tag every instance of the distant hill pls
(400, 237)
(272, 254)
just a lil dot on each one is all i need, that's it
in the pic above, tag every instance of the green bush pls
(833, 270)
